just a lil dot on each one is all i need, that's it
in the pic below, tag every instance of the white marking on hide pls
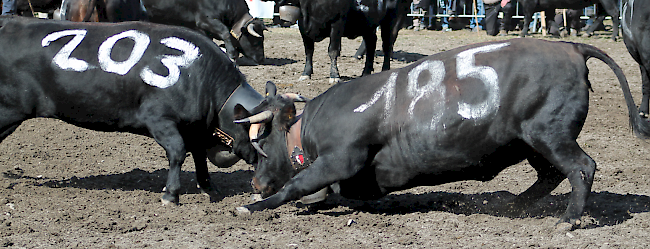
(362, 7)
(388, 91)
(109, 65)
(625, 22)
(437, 73)
(172, 62)
(466, 68)
(62, 59)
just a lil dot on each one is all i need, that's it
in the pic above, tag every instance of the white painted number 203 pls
(63, 60)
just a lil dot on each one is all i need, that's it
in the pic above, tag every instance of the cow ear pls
(240, 112)
(271, 90)
(287, 116)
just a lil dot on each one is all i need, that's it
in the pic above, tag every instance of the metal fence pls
(468, 12)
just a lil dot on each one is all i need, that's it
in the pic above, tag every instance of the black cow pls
(103, 10)
(335, 19)
(165, 82)
(226, 20)
(637, 40)
(464, 114)
(529, 8)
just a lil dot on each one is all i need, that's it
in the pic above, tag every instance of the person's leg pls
(480, 10)
(8, 7)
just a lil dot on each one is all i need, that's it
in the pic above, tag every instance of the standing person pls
(494, 25)
(8, 7)
(480, 10)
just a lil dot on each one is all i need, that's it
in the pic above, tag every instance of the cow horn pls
(261, 117)
(252, 134)
(250, 27)
(295, 97)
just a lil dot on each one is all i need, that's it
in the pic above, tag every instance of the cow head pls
(268, 134)
(234, 141)
(251, 39)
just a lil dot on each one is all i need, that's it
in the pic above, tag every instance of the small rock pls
(350, 222)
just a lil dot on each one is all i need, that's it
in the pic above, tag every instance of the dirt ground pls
(66, 187)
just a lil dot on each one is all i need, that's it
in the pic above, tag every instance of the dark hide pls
(464, 114)
(216, 19)
(335, 19)
(164, 82)
(103, 10)
(636, 20)
(529, 7)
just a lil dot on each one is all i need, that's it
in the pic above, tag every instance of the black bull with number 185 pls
(165, 82)
(464, 114)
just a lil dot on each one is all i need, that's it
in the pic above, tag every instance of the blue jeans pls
(480, 9)
(8, 7)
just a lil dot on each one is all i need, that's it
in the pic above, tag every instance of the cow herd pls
(463, 114)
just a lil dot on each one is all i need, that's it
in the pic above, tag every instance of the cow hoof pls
(304, 77)
(335, 80)
(243, 211)
(319, 196)
(563, 227)
(168, 202)
(256, 197)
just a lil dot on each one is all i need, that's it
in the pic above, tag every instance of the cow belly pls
(435, 167)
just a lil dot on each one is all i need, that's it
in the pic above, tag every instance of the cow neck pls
(236, 29)
(243, 95)
(299, 160)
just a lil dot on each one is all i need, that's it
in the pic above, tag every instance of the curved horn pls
(252, 134)
(250, 27)
(261, 117)
(295, 97)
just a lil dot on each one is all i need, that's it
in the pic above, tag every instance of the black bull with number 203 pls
(165, 82)
(464, 114)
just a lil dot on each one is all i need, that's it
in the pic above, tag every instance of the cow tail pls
(639, 125)
(89, 12)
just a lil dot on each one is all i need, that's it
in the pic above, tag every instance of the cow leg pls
(388, 38)
(528, 18)
(325, 170)
(202, 175)
(371, 45)
(548, 178)
(611, 8)
(645, 89)
(334, 50)
(592, 28)
(167, 135)
(215, 27)
(361, 50)
(573, 162)
(309, 58)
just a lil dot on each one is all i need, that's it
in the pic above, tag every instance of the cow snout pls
(261, 188)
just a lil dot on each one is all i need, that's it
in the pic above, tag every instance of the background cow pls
(168, 83)
(637, 40)
(226, 20)
(46, 6)
(335, 19)
(531, 6)
(103, 10)
(464, 114)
